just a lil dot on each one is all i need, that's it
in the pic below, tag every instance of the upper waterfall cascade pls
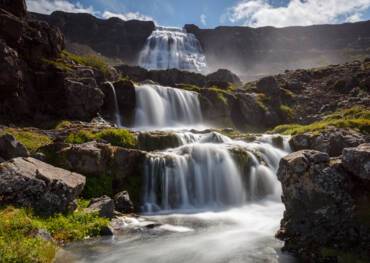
(159, 106)
(168, 48)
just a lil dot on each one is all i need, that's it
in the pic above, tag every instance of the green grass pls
(116, 137)
(356, 118)
(221, 94)
(18, 228)
(62, 125)
(189, 87)
(31, 139)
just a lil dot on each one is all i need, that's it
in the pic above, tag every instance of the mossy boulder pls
(156, 141)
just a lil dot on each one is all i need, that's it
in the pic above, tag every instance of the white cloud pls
(127, 16)
(257, 13)
(203, 19)
(49, 6)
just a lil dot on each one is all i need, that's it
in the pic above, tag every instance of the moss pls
(286, 111)
(31, 139)
(18, 229)
(262, 101)
(221, 94)
(116, 137)
(356, 118)
(98, 186)
(189, 87)
(343, 257)
(89, 60)
(59, 64)
(62, 125)
(287, 93)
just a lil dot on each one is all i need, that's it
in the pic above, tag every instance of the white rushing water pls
(168, 48)
(159, 106)
(117, 114)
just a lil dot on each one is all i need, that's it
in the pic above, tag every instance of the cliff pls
(113, 37)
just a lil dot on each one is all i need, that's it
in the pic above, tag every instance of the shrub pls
(98, 186)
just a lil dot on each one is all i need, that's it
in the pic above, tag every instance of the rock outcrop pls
(326, 204)
(103, 205)
(331, 141)
(123, 203)
(31, 183)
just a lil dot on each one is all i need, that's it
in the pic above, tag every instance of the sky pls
(213, 13)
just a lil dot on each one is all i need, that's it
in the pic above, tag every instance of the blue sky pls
(212, 13)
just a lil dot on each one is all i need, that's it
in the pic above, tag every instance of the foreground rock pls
(326, 204)
(31, 183)
(11, 148)
(123, 203)
(331, 141)
(104, 206)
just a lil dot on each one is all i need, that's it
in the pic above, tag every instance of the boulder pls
(123, 203)
(16, 7)
(357, 161)
(270, 87)
(223, 75)
(325, 205)
(90, 159)
(31, 183)
(331, 140)
(156, 141)
(104, 206)
(83, 98)
(11, 148)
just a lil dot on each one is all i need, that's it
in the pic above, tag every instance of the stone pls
(104, 206)
(16, 7)
(357, 161)
(123, 203)
(11, 148)
(31, 183)
(84, 98)
(223, 75)
(331, 141)
(156, 141)
(270, 87)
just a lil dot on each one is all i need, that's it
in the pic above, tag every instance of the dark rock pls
(106, 231)
(270, 87)
(2, 160)
(104, 206)
(323, 204)
(331, 141)
(357, 161)
(31, 183)
(345, 85)
(11, 148)
(84, 98)
(123, 203)
(157, 141)
(16, 7)
(223, 75)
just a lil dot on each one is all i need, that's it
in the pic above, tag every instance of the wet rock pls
(123, 203)
(156, 141)
(357, 161)
(31, 183)
(11, 148)
(104, 206)
(331, 141)
(270, 87)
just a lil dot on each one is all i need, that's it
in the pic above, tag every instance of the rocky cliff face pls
(112, 37)
(267, 50)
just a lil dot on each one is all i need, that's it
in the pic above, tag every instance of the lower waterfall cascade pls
(117, 114)
(210, 191)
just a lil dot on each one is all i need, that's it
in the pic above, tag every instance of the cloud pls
(203, 19)
(49, 6)
(257, 13)
(127, 16)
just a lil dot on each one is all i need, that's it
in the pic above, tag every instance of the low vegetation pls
(116, 137)
(357, 118)
(66, 60)
(32, 139)
(286, 111)
(98, 186)
(20, 241)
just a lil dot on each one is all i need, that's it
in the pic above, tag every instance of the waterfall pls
(172, 48)
(207, 174)
(117, 114)
(159, 106)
